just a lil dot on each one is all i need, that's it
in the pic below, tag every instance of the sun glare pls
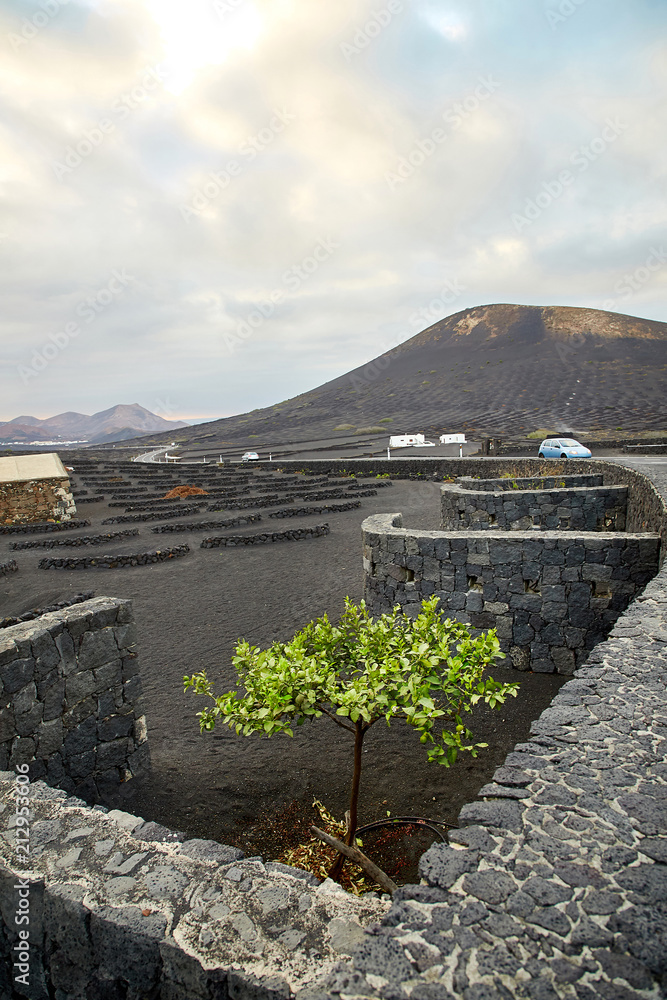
(202, 33)
(448, 23)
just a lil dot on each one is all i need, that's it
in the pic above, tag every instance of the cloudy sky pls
(209, 206)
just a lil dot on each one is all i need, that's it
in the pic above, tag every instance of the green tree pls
(428, 671)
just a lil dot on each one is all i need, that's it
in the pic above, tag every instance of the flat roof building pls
(34, 488)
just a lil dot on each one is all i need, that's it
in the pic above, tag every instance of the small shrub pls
(344, 427)
(428, 671)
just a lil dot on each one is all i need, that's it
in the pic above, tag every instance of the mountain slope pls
(107, 425)
(499, 369)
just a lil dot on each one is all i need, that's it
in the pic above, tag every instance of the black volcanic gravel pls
(189, 613)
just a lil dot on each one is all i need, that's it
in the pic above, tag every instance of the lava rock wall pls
(72, 705)
(551, 595)
(597, 508)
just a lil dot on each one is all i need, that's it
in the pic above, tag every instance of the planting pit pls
(189, 614)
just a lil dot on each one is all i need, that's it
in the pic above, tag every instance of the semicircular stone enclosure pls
(554, 884)
(547, 562)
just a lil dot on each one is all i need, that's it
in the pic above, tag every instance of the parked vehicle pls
(410, 441)
(562, 448)
(250, 456)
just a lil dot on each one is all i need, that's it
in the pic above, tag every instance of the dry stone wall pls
(39, 527)
(551, 595)
(554, 885)
(123, 909)
(265, 537)
(552, 888)
(597, 508)
(36, 500)
(71, 697)
(646, 511)
(529, 482)
(75, 541)
(114, 562)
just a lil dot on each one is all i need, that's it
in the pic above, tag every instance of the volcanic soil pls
(495, 370)
(254, 792)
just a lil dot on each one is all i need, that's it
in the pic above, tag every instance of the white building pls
(406, 440)
(452, 439)
(34, 488)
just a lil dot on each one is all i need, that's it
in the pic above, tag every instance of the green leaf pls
(360, 670)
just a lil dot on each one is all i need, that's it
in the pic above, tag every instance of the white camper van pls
(406, 440)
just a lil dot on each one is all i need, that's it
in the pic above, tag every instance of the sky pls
(210, 206)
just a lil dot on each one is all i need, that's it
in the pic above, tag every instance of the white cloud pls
(226, 76)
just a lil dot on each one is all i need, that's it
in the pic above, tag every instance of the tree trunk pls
(360, 859)
(360, 732)
(356, 779)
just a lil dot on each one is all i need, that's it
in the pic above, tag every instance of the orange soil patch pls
(185, 491)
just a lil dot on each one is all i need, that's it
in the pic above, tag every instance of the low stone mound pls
(150, 515)
(28, 529)
(8, 567)
(271, 501)
(265, 538)
(230, 522)
(114, 562)
(329, 508)
(30, 616)
(49, 543)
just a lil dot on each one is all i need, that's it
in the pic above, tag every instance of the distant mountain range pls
(503, 370)
(115, 424)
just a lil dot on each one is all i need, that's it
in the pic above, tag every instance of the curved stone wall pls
(40, 526)
(265, 537)
(553, 886)
(75, 540)
(552, 596)
(646, 510)
(123, 560)
(587, 508)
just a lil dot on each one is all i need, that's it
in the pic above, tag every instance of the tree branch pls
(335, 719)
(354, 854)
